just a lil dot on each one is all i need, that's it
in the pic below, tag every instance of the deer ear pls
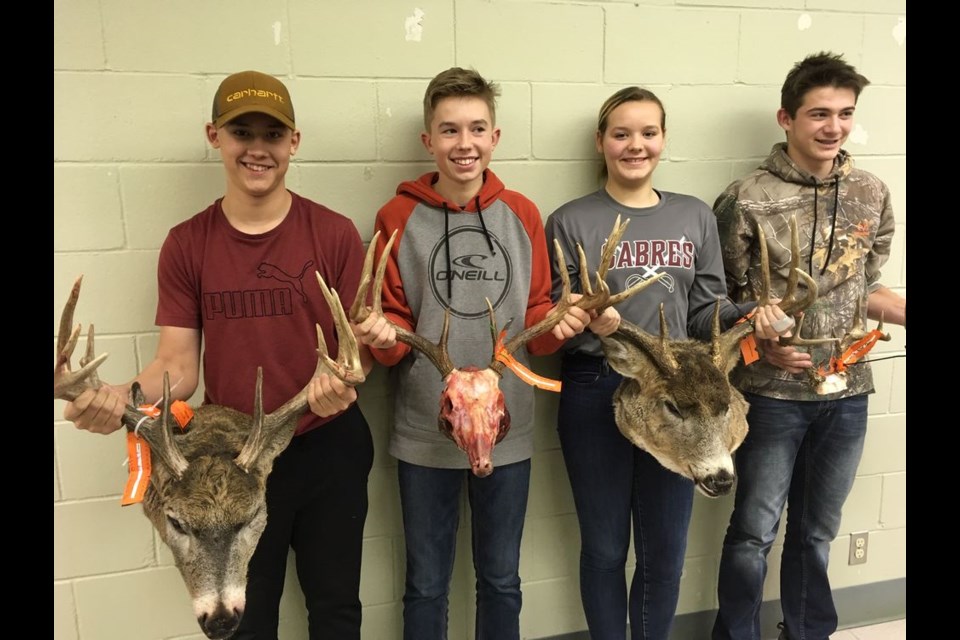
(137, 394)
(630, 351)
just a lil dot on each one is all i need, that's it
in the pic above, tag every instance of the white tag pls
(833, 383)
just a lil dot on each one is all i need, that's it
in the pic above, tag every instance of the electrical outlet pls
(858, 548)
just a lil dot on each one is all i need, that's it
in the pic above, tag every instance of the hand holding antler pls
(573, 321)
(785, 356)
(97, 410)
(376, 331)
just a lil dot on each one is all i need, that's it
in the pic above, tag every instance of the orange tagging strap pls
(522, 372)
(182, 412)
(138, 453)
(748, 344)
(858, 349)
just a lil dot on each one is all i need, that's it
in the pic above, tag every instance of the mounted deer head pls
(206, 496)
(472, 410)
(675, 400)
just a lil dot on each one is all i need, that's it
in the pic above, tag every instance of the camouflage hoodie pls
(846, 225)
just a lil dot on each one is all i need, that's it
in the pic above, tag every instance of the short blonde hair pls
(459, 83)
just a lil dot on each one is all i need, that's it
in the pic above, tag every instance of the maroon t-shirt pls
(257, 300)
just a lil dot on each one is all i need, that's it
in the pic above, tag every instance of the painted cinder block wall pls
(133, 83)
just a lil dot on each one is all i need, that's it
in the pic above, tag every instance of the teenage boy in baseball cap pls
(238, 279)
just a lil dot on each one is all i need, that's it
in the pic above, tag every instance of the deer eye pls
(672, 408)
(177, 525)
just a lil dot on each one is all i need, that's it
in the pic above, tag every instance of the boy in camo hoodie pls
(806, 432)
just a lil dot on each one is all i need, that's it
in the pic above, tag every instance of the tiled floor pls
(894, 630)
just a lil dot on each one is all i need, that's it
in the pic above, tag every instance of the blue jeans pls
(430, 500)
(805, 454)
(614, 483)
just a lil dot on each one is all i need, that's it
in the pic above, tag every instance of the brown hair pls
(629, 94)
(459, 83)
(822, 69)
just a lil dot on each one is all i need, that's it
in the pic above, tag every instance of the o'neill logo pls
(473, 275)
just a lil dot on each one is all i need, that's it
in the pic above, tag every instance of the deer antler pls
(360, 311)
(272, 432)
(68, 385)
(591, 299)
(791, 304)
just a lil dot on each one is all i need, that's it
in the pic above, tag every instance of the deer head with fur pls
(206, 495)
(676, 401)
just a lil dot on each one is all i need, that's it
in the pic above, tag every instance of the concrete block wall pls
(133, 84)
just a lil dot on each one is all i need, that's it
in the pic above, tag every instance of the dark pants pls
(614, 483)
(430, 499)
(316, 504)
(804, 454)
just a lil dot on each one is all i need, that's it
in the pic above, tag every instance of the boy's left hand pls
(376, 332)
(574, 321)
(328, 395)
(770, 322)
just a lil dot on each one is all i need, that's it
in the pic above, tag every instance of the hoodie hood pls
(781, 165)
(422, 189)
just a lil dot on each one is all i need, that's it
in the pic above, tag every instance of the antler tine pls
(256, 441)
(359, 309)
(88, 357)
(66, 335)
(585, 287)
(67, 384)
(159, 434)
(347, 366)
(764, 297)
(791, 303)
(715, 346)
(669, 360)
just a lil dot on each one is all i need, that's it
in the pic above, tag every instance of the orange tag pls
(748, 349)
(748, 344)
(522, 372)
(138, 453)
(182, 412)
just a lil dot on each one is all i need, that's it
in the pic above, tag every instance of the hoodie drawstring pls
(485, 232)
(833, 226)
(446, 240)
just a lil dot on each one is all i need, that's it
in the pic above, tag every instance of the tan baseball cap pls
(252, 92)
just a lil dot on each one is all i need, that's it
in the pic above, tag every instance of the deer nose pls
(221, 623)
(718, 484)
(482, 469)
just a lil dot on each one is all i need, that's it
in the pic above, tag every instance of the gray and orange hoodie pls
(456, 255)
